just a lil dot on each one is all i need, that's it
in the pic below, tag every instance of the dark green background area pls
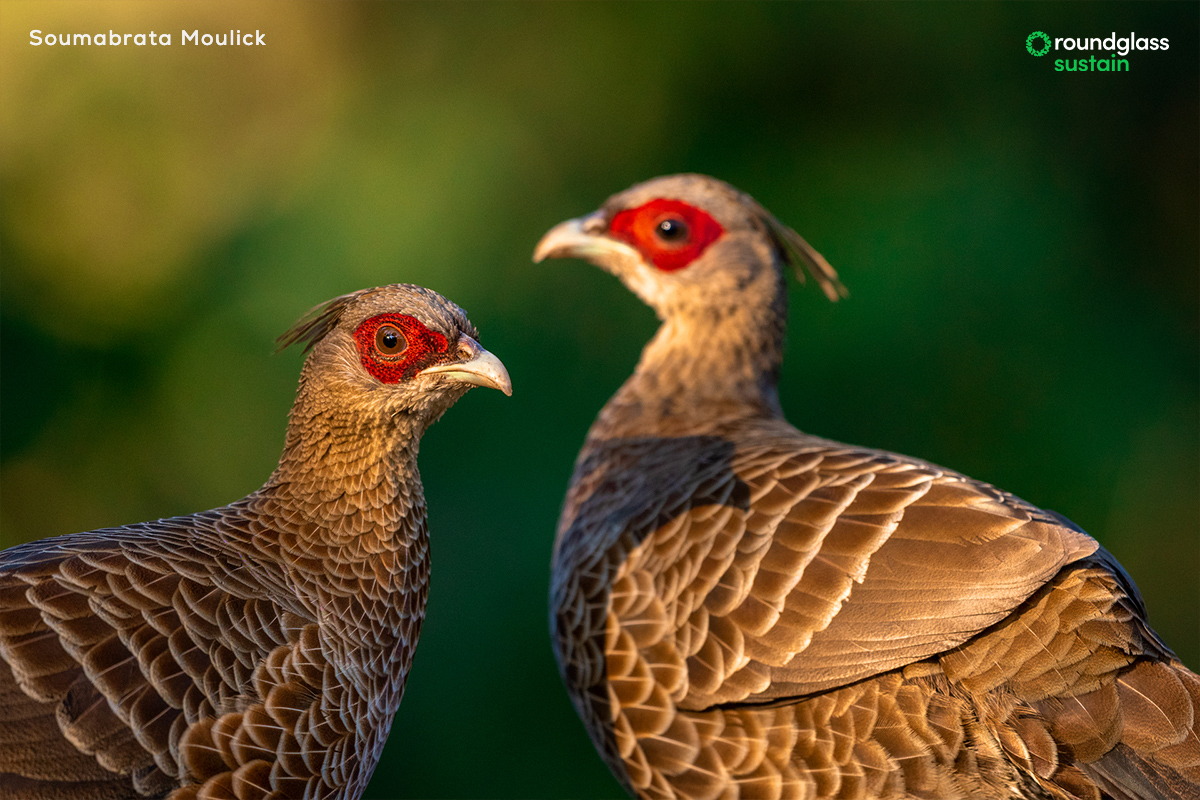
(1020, 247)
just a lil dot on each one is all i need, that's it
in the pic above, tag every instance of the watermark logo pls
(1039, 43)
(1045, 44)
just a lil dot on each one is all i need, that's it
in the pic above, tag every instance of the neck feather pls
(703, 368)
(347, 489)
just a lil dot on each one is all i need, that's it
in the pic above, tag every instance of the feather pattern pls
(743, 610)
(257, 650)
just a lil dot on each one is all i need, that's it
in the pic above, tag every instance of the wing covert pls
(838, 565)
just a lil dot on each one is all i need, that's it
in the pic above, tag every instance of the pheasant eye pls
(670, 234)
(389, 341)
(672, 230)
(395, 347)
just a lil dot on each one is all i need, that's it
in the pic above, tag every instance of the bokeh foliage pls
(1020, 246)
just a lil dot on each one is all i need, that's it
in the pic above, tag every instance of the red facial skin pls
(640, 228)
(424, 347)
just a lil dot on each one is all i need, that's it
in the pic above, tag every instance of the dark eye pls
(671, 229)
(389, 341)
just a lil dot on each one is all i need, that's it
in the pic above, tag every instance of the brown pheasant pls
(257, 650)
(743, 610)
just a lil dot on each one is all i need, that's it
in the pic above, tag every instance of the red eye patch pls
(423, 346)
(670, 234)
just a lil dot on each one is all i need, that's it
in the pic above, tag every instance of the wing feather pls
(127, 675)
(805, 564)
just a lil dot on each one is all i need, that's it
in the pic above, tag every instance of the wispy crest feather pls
(802, 256)
(317, 322)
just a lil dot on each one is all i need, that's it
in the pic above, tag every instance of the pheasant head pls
(710, 261)
(383, 365)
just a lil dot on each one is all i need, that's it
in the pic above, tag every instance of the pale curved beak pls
(582, 237)
(480, 368)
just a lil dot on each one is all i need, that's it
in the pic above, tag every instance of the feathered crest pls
(315, 324)
(800, 255)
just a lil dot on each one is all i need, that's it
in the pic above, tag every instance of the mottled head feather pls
(425, 304)
(734, 208)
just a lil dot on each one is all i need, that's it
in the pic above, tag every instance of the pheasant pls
(257, 650)
(743, 610)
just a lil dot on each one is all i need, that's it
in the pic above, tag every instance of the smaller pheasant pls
(744, 610)
(257, 650)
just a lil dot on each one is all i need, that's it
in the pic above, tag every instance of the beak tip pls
(498, 378)
(481, 369)
(559, 241)
(545, 248)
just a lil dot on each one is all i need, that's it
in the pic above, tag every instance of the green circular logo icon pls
(1045, 43)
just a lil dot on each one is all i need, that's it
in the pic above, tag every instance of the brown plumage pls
(257, 650)
(743, 610)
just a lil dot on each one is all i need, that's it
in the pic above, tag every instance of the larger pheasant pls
(257, 650)
(743, 610)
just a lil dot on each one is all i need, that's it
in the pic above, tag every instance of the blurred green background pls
(1020, 247)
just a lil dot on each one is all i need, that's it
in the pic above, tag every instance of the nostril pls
(595, 224)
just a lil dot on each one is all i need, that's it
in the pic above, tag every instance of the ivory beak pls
(481, 368)
(582, 237)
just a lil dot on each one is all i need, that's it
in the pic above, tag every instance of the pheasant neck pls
(703, 368)
(349, 488)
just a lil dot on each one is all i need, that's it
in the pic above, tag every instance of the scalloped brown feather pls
(742, 610)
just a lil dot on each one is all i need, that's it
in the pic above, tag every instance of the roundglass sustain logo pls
(1029, 40)
(1104, 53)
